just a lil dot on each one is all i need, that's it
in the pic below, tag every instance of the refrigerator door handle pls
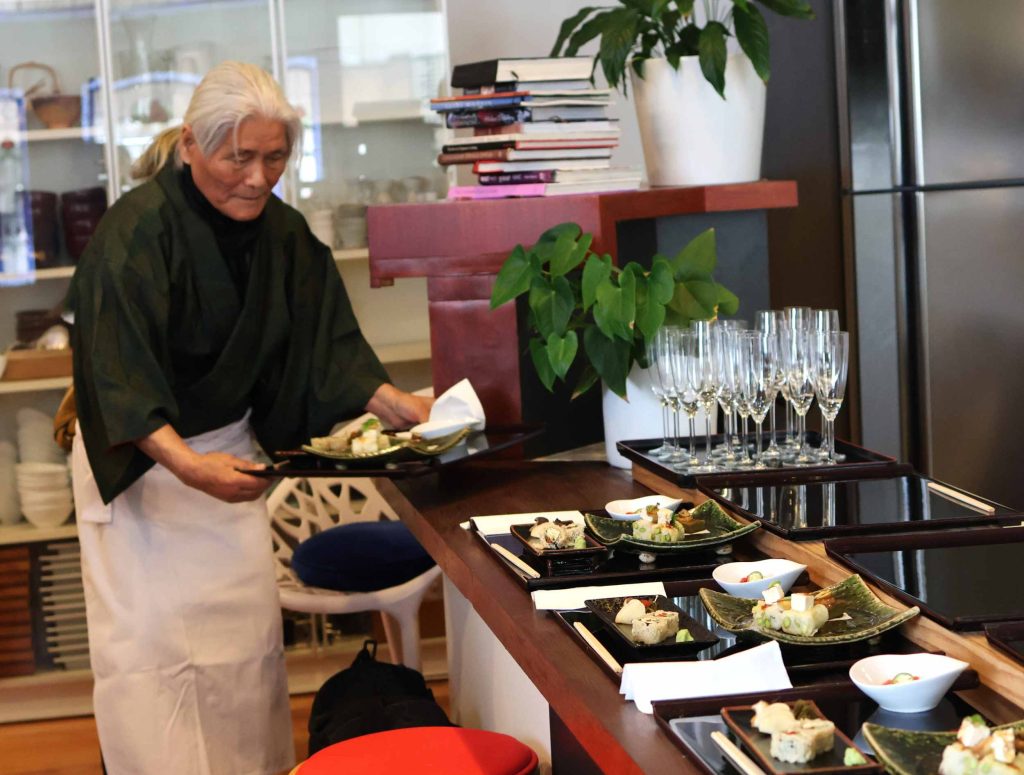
(892, 72)
(915, 122)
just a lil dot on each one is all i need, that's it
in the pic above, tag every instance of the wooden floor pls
(70, 746)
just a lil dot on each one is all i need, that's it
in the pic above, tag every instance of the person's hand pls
(216, 474)
(399, 409)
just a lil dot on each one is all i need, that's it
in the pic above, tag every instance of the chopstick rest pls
(515, 561)
(599, 649)
(735, 755)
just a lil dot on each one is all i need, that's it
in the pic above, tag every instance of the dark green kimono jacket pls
(163, 336)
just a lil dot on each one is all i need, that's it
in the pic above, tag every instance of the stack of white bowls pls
(10, 511)
(45, 493)
(35, 438)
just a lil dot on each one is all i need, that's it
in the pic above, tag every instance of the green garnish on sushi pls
(852, 757)
(683, 636)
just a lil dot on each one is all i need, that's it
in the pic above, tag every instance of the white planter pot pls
(637, 418)
(690, 135)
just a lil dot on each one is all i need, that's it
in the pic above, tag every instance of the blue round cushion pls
(360, 557)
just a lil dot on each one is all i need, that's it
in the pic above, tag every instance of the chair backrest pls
(300, 508)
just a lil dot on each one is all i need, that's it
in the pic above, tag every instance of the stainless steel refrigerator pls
(931, 126)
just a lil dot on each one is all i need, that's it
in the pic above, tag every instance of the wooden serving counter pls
(593, 729)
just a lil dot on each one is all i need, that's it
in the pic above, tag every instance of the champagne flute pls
(799, 379)
(830, 359)
(741, 358)
(795, 318)
(824, 321)
(687, 381)
(725, 365)
(759, 381)
(658, 388)
(659, 358)
(771, 322)
(707, 382)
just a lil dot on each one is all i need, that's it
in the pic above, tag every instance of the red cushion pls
(441, 750)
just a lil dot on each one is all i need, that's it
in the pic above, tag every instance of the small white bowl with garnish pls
(633, 508)
(906, 683)
(750, 579)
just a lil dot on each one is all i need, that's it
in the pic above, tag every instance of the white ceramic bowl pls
(935, 673)
(728, 576)
(622, 509)
(47, 516)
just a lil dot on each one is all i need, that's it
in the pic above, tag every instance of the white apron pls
(184, 624)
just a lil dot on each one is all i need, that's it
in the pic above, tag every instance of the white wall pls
(528, 28)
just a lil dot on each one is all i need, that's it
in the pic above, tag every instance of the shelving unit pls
(50, 273)
(353, 254)
(26, 533)
(35, 385)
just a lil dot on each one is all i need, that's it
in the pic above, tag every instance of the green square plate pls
(720, 526)
(869, 616)
(904, 752)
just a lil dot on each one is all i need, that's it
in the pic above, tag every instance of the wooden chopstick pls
(515, 561)
(735, 755)
(956, 495)
(596, 645)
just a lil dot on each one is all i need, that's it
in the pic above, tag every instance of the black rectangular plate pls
(689, 723)
(801, 509)
(961, 578)
(1008, 636)
(606, 608)
(858, 459)
(479, 444)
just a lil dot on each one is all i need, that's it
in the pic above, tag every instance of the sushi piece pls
(649, 629)
(804, 622)
(773, 717)
(631, 609)
(802, 743)
(670, 619)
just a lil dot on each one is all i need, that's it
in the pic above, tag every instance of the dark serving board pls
(479, 444)
(607, 608)
(805, 664)
(615, 567)
(1008, 636)
(962, 578)
(858, 460)
(803, 508)
(689, 723)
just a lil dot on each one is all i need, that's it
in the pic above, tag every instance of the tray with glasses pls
(962, 578)
(856, 462)
(801, 508)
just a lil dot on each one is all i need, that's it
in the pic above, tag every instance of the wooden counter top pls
(617, 737)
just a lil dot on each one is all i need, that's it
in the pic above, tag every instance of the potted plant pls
(692, 132)
(584, 310)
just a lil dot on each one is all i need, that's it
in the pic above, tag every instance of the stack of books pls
(531, 127)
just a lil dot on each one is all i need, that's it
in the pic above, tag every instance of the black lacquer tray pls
(1009, 637)
(803, 508)
(477, 445)
(858, 460)
(689, 723)
(805, 664)
(962, 578)
(614, 568)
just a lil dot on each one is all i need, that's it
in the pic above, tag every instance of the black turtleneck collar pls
(235, 239)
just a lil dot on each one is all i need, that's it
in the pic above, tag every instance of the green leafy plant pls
(638, 30)
(583, 306)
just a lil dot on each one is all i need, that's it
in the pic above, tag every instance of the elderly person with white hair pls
(206, 313)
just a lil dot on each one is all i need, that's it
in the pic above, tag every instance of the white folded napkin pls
(457, 408)
(499, 524)
(568, 599)
(759, 669)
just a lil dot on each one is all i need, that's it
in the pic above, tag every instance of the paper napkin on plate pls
(569, 599)
(499, 524)
(759, 669)
(457, 408)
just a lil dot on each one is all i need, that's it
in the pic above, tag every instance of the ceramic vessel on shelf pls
(730, 576)
(906, 683)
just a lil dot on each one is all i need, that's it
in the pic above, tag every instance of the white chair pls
(300, 508)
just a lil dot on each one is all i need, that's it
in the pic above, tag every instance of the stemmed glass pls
(830, 354)
(658, 388)
(795, 318)
(824, 321)
(799, 380)
(758, 384)
(741, 394)
(686, 376)
(707, 381)
(659, 356)
(771, 322)
(725, 367)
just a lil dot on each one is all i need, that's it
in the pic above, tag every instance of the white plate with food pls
(634, 508)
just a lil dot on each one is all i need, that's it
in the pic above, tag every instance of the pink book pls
(496, 192)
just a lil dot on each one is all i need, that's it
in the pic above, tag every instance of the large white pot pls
(693, 137)
(637, 418)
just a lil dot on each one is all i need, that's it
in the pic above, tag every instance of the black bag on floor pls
(368, 697)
